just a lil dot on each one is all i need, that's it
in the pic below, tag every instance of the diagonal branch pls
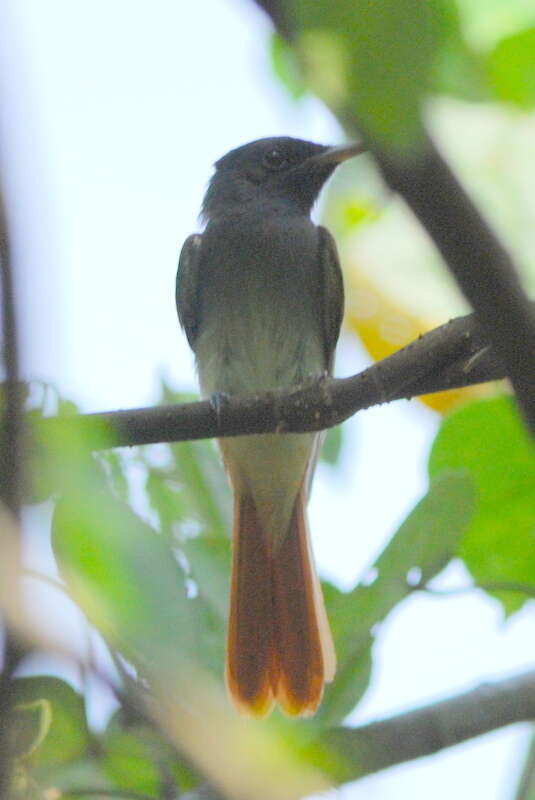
(454, 355)
(479, 262)
(423, 731)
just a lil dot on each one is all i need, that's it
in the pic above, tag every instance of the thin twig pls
(80, 791)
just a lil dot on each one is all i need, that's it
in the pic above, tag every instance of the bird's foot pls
(219, 401)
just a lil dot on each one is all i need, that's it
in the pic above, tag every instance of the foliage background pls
(107, 158)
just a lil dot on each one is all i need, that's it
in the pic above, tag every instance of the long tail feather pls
(250, 636)
(279, 642)
(303, 643)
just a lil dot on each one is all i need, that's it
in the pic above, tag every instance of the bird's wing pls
(333, 293)
(187, 286)
(333, 311)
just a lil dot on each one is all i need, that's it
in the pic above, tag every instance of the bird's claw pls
(219, 401)
(473, 360)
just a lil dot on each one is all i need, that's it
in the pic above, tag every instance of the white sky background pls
(112, 114)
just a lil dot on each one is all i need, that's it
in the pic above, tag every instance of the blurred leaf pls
(353, 643)
(198, 470)
(40, 481)
(512, 69)
(384, 322)
(67, 407)
(85, 772)
(210, 638)
(485, 22)
(525, 789)
(134, 758)
(332, 446)
(61, 733)
(347, 211)
(166, 499)
(115, 472)
(40, 478)
(421, 548)
(285, 66)
(121, 572)
(137, 757)
(458, 69)
(488, 439)
(209, 559)
(344, 45)
(31, 724)
(204, 485)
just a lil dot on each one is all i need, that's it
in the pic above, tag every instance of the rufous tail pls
(279, 642)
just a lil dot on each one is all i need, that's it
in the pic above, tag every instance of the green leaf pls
(332, 446)
(166, 499)
(458, 68)
(132, 760)
(353, 643)
(485, 22)
(209, 559)
(31, 723)
(84, 773)
(60, 728)
(137, 757)
(204, 485)
(285, 66)
(40, 478)
(421, 548)
(488, 439)
(198, 471)
(525, 788)
(116, 472)
(372, 58)
(210, 638)
(121, 572)
(512, 69)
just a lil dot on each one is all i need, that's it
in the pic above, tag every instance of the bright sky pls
(113, 112)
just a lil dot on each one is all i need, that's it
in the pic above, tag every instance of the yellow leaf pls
(384, 326)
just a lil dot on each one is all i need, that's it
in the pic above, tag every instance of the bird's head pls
(278, 170)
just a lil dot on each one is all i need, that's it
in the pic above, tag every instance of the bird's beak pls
(335, 155)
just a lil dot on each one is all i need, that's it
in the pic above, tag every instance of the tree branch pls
(11, 418)
(9, 483)
(479, 262)
(454, 355)
(423, 731)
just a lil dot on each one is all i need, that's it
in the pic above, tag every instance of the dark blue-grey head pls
(279, 172)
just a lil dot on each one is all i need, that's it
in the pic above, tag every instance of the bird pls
(260, 298)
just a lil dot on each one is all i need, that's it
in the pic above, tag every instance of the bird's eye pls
(275, 159)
